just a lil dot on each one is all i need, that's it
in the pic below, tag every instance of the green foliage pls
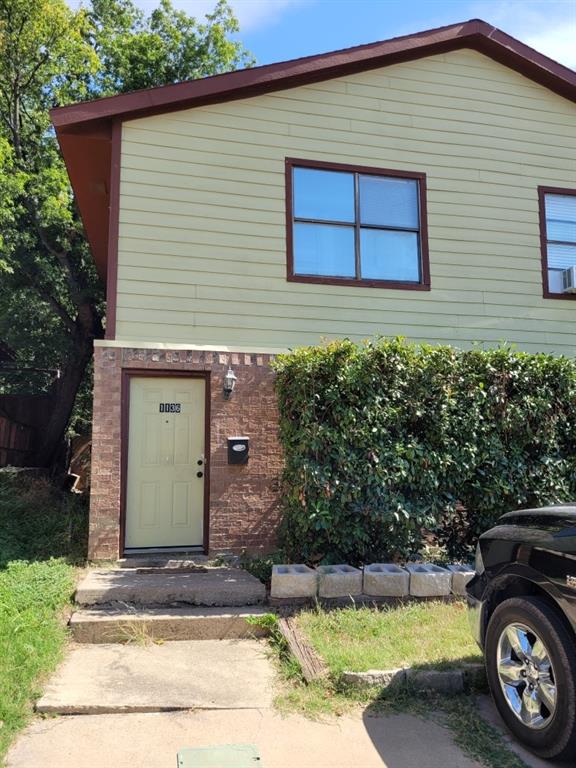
(32, 635)
(267, 621)
(261, 566)
(51, 299)
(386, 439)
(38, 521)
(168, 46)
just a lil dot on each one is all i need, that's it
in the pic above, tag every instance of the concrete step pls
(163, 561)
(132, 624)
(202, 674)
(170, 587)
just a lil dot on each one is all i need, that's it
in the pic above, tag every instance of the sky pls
(276, 30)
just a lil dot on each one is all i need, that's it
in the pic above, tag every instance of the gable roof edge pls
(244, 83)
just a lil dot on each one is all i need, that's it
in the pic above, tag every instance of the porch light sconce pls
(229, 383)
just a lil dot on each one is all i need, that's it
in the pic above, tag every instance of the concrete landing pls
(120, 625)
(283, 741)
(200, 674)
(217, 586)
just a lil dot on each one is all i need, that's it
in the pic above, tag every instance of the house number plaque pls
(170, 407)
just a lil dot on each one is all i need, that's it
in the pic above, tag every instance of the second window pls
(357, 226)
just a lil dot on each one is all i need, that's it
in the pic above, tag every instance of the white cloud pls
(549, 26)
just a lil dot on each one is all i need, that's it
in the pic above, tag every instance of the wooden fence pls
(16, 442)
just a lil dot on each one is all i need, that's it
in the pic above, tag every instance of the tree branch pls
(58, 254)
(57, 307)
(36, 284)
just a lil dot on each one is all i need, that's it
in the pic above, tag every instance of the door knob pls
(199, 474)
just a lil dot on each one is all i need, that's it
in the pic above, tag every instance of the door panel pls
(164, 495)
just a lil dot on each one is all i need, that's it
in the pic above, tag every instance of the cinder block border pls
(461, 575)
(374, 584)
(295, 580)
(447, 681)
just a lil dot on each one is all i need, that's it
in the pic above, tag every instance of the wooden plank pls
(312, 665)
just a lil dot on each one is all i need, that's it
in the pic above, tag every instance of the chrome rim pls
(526, 675)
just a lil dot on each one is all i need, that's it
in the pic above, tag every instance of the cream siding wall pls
(202, 234)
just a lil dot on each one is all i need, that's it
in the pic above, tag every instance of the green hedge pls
(388, 439)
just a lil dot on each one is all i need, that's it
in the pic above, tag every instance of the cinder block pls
(386, 580)
(339, 581)
(461, 575)
(293, 581)
(384, 678)
(429, 580)
(449, 681)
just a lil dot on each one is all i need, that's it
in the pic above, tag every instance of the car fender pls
(509, 574)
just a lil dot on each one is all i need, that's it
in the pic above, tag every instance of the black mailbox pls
(238, 448)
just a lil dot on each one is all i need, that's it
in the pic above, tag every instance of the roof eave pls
(90, 122)
(243, 83)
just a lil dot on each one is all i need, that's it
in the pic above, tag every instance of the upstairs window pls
(356, 226)
(558, 241)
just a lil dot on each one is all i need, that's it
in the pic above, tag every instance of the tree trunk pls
(66, 389)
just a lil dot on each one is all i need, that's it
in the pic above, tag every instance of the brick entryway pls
(243, 499)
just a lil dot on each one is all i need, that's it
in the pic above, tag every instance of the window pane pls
(323, 195)
(321, 249)
(389, 255)
(555, 282)
(389, 202)
(561, 256)
(561, 217)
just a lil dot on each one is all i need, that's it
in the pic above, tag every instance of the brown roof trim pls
(85, 130)
(475, 34)
(113, 230)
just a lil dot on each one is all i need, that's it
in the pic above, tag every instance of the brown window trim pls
(542, 192)
(423, 285)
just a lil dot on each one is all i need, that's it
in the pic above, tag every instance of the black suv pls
(523, 614)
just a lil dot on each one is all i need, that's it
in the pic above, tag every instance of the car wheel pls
(531, 668)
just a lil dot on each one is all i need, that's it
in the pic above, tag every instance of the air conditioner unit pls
(569, 280)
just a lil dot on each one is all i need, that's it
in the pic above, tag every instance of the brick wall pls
(243, 498)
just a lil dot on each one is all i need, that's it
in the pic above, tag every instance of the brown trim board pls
(474, 33)
(127, 374)
(113, 231)
(76, 125)
(291, 276)
(542, 192)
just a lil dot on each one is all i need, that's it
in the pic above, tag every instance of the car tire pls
(555, 736)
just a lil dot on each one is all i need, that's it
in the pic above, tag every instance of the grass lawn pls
(32, 635)
(431, 634)
(36, 521)
(415, 634)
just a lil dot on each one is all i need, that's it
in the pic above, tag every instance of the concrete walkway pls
(136, 706)
(153, 740)
(197, 674)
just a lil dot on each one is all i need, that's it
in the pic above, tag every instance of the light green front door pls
(166, 463)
